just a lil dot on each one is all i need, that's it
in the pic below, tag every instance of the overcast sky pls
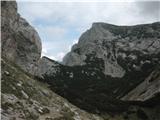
(60, 24)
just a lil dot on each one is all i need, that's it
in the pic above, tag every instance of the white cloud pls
(78, 14)
(60, 56)
(53, 32)
(75, 41)
(82, 0)
(51, 57)
(44, 51)
(57, 57)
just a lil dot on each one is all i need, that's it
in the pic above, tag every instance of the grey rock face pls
(115, 44)
(47, 66)
(20, 42)
(147, 89)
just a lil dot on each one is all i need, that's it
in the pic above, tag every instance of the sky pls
(60, 24)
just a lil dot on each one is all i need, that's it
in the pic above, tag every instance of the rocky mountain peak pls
(113, 43)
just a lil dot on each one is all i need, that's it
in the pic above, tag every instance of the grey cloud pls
(149, 8)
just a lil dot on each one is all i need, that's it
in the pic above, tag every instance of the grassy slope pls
(24, 98)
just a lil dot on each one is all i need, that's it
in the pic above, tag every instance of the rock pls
(45, 110)
(6, 72)
(20, 42)
(10, 98)
(42, 110)
(71, 75)
(3, 117)
(18, 84)
(24, 94)
(22, 116)
(49, 118)
(46, 93)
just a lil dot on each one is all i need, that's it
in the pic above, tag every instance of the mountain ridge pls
(111, 73)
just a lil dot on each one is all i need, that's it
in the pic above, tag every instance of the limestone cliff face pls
(122, 48)
(20, 42)
(149, 88)
(47, 66)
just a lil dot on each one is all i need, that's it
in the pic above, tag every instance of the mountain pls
(127, 54)
(113, 73)
(110, 68)
(122, 48)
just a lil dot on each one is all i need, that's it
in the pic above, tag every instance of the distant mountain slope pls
(89, 88)
(107, 63)
(126, 54)
(122, 48)
(147, 89)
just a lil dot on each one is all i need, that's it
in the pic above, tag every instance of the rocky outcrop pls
(147, 89)
(47, 66)
(122, 48)
(20, 42)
